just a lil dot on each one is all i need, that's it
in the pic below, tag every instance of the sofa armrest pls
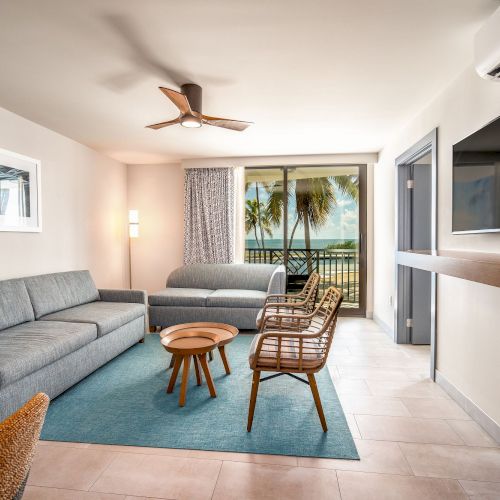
(130, 296)
(133, 296)
(277, 283)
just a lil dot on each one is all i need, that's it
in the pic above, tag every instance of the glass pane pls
(323, 228)
(264, 215)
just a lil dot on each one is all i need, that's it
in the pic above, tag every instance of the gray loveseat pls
(224, 293)
(56, 329)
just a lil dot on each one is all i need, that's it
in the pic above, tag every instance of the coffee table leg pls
(197, 370)
(172, 361)
(208, 375)
(210, 356)
(185, 376)
(173, 377)
(222, 353)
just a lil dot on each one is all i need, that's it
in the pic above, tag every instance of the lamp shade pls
(133, 230)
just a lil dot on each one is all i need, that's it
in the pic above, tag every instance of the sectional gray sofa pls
(56, 329)
(225, 293)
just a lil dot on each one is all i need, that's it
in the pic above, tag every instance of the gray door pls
(421, 281)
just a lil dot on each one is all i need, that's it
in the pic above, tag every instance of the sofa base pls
(164, 316)
(55, 378)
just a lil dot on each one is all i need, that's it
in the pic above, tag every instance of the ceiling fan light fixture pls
(190, 121)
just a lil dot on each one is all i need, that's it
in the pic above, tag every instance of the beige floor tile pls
(65, 467)
(408, 429)
(363, 486)
(479, 490)
(352, 387)
(272, 482)
(159, 476)
(406, 389)
(472, 433)
(353, 426)
(457, 462)
(255, 458)
(66, 444)
(434, 408)
(371, 405)
(375, 456)
(41, 493)
(379, 373)
(142, 450)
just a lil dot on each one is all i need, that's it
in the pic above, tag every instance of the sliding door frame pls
(362, 225)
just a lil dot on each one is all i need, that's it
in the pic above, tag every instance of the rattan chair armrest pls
(284, 296)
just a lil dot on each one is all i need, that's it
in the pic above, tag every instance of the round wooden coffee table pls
(184, 345)
(226, 334)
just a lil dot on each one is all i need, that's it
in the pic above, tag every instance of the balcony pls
(339, 268)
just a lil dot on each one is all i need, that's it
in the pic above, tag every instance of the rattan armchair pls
(19, 435)
(297, 303)
(293, 352)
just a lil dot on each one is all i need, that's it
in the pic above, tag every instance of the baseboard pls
(478, 415)
(380, 322)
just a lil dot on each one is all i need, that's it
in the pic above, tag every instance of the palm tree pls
(257, 215)
(315, 201)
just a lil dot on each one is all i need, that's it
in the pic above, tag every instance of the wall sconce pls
(133, 223)
(133, 232)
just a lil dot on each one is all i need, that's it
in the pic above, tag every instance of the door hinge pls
(409, 322)
(410, 183)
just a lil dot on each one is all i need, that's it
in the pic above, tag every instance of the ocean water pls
(297, 243)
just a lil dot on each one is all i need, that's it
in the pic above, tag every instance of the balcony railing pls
(339, 268)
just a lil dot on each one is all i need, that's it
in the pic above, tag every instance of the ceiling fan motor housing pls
(193, 94)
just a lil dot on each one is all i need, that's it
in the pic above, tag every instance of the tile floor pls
(414, 443)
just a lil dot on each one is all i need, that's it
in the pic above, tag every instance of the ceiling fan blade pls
(180, 100)
(156, 126)
(226, 123)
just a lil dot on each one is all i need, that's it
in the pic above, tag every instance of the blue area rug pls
(125, 403)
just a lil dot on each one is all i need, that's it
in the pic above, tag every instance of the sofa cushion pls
(107, 316)
(15, 304)
(26, 348)
(223, 276)
(195, 297)
(237, 298)
(54, 292)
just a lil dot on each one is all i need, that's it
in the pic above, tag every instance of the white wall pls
(83, 208)
(468, 316)
(157, 191)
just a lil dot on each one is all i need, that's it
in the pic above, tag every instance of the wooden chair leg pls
(208, 375)
(197, 370)
(185, 376)
(253, 398)
(317, 400)
(175, 372)
(222, 352)
(152, 329)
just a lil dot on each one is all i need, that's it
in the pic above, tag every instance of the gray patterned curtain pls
(208, 215)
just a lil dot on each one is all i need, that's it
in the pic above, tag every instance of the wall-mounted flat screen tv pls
(476, 181)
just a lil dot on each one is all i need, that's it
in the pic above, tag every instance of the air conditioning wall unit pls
(487, 48)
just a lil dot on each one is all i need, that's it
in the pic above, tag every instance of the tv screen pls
(476, 181)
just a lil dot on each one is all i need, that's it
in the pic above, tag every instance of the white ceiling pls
(316, 76)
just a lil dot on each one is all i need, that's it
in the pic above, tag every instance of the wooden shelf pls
(472, 266)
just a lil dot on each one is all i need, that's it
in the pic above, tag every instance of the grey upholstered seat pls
(236, 298)
(107, 316)
(27, 347)
(180, 297)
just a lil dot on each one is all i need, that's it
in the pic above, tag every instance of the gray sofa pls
(225, 293)
(56, 329)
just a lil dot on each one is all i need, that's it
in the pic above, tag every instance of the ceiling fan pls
(188, 101)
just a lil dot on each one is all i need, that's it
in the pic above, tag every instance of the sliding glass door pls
(316, 224)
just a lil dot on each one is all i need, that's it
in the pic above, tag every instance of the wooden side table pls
(184, 345)
(226, 334)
